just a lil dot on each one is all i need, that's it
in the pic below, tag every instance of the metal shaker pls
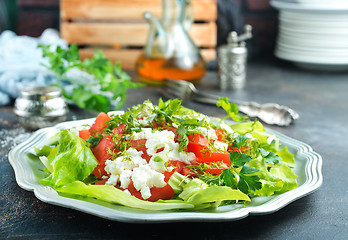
(39, 107)
(232, 59)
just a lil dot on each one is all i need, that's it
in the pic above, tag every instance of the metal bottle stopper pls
(232, 59)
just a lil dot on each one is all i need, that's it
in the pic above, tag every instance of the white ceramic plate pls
(311, 6)
(28, 172)
(313, 41)
(300, 56)
(313, 51)
(331, 17)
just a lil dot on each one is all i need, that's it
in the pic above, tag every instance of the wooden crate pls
(118, 28)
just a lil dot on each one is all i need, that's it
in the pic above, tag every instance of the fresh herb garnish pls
(104, 86)
(94, 140)
(270, 157)
(248, 181)
(231, 109)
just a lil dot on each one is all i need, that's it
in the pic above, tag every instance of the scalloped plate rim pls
(46, 194)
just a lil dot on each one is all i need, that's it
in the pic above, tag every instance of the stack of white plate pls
(313, 33)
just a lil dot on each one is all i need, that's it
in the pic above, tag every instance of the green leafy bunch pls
(231, 109)
(107, 90)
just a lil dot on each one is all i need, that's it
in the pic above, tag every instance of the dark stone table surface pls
(321, 99)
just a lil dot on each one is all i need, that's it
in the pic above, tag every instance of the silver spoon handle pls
(270, 113)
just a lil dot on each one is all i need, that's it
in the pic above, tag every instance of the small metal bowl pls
(39, 107)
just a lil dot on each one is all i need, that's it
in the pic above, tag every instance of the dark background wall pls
(34, 16)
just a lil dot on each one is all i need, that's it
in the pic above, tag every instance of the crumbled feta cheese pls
(186, 157)
(202, 130)
(165, 139)
(144, 178)
(125, 178)
(112, 180)
(145, 133)
(160, 139)
(227, 128)
(157, 163)
(131, 159)
(208, 133)
(134, 153)
(221, 146)
(145, 192)
(127, 162)
(212, 134)
(248, 135)
(131, 166)
(127, 191)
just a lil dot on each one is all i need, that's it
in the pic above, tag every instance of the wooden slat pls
(128, 34)
(204, 10)
(120, 23)
(128, 57)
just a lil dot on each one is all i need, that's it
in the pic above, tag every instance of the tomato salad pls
(168, 152)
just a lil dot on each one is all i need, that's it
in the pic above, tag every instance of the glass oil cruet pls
(170, 52)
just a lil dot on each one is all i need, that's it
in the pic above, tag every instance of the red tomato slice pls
(84, 134)
(198, 139)
(217, 168)
(178, 167)
(100, 182)
(139, 145)
(241, 149)
(101, 153)
(99, 123)
(163, 193)
(120, 129)
(174, 130)
(197, 144)
(220, 135)
(214, 157)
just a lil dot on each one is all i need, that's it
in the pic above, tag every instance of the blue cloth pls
(21, 62)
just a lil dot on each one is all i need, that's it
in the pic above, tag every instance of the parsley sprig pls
(248, 181)
(107, 90)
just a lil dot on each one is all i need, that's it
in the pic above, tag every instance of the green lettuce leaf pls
(275, 178)
(248, 127)
(111, 194)
(287, 157)
(231, 109)
(197, 192)
(286, 175)
(72, 160)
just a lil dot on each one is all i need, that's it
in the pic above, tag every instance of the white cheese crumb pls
(221, 146)
(112, 180)
(144, 178)
(145, 133)
(212, 134)
(248, 135)
(131, 166)
(227, 128)
(125, 178)
(127, 191)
